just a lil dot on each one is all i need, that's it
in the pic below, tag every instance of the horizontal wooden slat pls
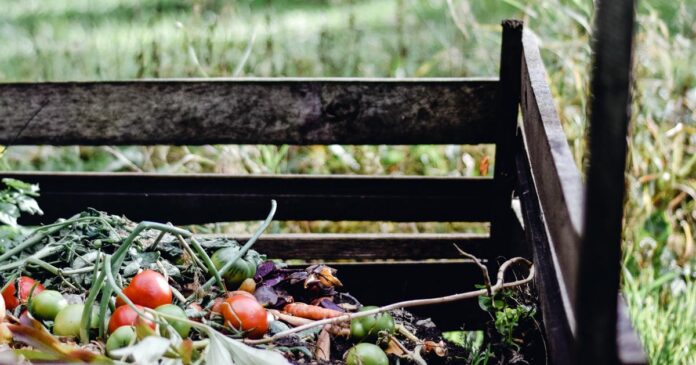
(323, 246)
(555, 175)
(385, 283)
(254, 111)
(206, 198)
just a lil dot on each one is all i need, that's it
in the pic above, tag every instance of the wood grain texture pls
(207, 198)
(506, 127)
(365, 246)
(555, 176)
(253, 111)
(559, 319)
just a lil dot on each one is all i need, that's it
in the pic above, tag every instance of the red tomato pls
(12, 299)
(249, 312)
(149, 289)
(216, 306)
(218, 301)
(125, 316)
(242, 293)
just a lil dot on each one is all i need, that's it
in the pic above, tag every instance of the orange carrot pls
(309, 311)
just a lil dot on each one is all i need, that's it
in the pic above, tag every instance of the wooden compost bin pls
(533, 165)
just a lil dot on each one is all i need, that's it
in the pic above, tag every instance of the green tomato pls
(366, 354)
(122, 337)
(67, 322)
(243, 268)
(181, 327)
(47, 304)
(368, 328)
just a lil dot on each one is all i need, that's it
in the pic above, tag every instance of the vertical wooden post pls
(599, 271)
(506, 127)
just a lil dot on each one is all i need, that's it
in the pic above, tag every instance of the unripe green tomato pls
(366, 354)
(47, 304)
(181, 327)
(242, 268)
(368, 328)
(122, 337)
(67, 322)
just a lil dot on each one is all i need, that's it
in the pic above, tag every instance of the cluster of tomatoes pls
(241, 311)
(148, 289)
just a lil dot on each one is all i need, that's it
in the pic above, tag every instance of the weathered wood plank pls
(506, 127)
(600, 255)
(206, 198)
(555, 176)
(559, 319)
(325, 246)
(253, 111)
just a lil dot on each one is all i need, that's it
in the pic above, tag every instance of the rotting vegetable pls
(27, 286)
(245, 314)
(148, 289)
(181, 327)
(309, 311)
(366, 354)
(151, 284)
(122, 337)
(47, 304)
(126, 316)
(369, 328)
(67, 321)
(242, 269)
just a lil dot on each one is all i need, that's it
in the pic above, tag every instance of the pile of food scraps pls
(98, 288)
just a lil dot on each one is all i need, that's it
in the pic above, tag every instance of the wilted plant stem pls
(499, 285)
(44, 252)
(242, 251)
(208, 262)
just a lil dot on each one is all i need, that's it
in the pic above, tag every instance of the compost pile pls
(98, 288)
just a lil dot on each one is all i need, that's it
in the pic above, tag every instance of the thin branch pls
(484, 269)
(499, 285)
(242, 251)
(189, 251)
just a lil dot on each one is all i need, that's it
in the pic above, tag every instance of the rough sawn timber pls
(206, 198)
(252, 111)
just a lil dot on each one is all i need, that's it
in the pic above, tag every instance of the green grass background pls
(125, 39)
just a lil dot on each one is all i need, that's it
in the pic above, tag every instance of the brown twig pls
(484, 269)
(499, 285)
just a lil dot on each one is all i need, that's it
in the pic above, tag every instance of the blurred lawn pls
(125, 39)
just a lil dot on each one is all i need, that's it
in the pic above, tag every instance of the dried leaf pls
(393, 348)
(264, 269)
(32, 333)
(338, 331)
(326, 276)
(437, 347)
(484, 165)
(323, 350)
(327, 302)
(323, 275)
